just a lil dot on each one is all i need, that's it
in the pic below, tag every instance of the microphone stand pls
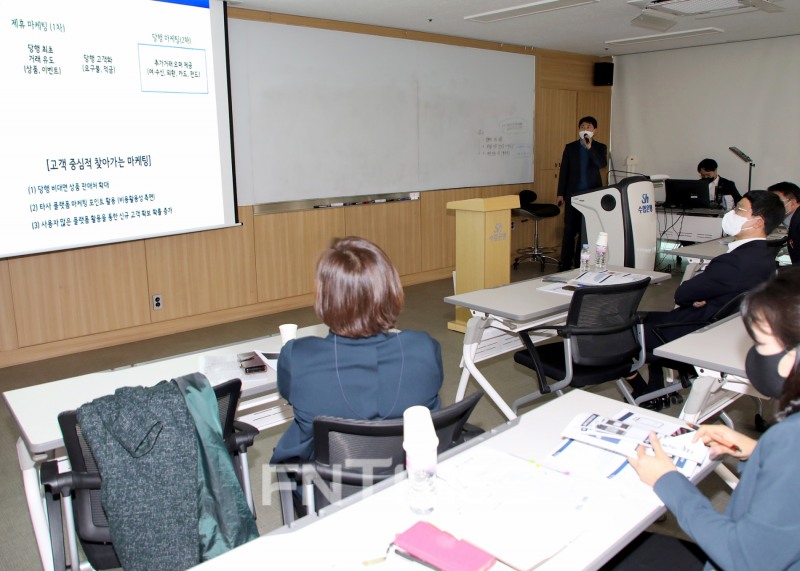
(745, 158)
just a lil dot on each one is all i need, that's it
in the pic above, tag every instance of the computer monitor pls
(686, 194)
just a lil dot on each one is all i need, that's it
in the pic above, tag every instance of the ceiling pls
(580, 29)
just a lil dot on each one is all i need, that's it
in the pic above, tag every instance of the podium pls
(483, 247)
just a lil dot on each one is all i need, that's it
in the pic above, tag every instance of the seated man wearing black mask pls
(747, 263)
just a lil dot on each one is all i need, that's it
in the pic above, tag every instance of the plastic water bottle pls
(586, 258)
(421, 485)
(420, 443)
(601, 252)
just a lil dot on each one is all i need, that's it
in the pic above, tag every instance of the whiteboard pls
(321, 113)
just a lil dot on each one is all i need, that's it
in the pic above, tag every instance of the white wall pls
(673, 108)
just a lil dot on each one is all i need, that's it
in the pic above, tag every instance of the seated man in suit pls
(789, 193)
(747, 263)
(723, 187)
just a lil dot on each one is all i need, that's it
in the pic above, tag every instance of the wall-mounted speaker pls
(603, 73)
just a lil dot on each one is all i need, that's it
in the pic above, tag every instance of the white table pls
(710, 249)
(35, 410)
(717, 353)
(502, 313)
(696, 225)
(361, 527)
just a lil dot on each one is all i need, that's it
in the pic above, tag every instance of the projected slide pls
(114, 122)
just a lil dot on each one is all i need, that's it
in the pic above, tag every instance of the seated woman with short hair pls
(365, 368)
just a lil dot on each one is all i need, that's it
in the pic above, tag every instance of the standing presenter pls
(580, 171)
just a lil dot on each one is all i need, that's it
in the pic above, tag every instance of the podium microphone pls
(586, 138)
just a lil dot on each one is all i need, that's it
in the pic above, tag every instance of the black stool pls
(529, 209)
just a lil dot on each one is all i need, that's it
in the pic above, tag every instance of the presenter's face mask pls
(762, 371)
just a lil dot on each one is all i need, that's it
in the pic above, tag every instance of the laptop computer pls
(687, 194)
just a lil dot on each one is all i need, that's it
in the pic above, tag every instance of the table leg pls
(29, 467)
(472, 338)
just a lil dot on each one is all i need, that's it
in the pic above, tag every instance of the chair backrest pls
(526, 197)
(337, 440)
(729, 308)
(602, 321)
(91, 524)
(775, 245)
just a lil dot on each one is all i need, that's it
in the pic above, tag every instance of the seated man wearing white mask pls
(747, 263)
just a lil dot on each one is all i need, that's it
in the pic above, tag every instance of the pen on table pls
(718, 439)
(605, 278)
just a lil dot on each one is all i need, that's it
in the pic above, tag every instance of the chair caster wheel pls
(676, 398)
(515, 265)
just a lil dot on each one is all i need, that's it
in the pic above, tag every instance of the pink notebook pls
(441, 550)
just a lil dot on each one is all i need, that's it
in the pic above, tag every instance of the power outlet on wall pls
(158, 301)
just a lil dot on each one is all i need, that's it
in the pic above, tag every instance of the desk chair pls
(530, 209)
(353, 454)
(602, 340)
(78, 492)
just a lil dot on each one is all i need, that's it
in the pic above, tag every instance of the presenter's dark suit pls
(579, 172)
(727, 276)
(727, 187)
(794, 238)
(354, 378)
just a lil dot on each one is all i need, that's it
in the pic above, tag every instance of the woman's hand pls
(723, 440)
(651, 468)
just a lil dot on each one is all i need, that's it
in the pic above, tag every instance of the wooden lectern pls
(483, 247)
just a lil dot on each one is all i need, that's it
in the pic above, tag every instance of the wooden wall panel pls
(551, 230)
(438, 225)
(394, 226)
(560, 70)
(287, 248)
(79, 292)
(556, 125)
(202, 272)
(8, 329)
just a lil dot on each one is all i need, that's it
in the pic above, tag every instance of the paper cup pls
(288, 332)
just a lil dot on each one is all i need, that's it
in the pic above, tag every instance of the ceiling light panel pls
(527, 9)
(663, 37)
(693, 7)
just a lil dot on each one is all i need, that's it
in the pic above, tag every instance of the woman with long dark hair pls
(760, 528)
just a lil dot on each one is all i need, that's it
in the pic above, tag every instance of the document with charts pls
(624, 432)
(605, 278)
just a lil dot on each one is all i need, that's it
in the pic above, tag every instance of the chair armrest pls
(242, 437)
(544, 388)
(58, 483)
(350, 477)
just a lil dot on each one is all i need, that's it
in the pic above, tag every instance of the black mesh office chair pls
(338, 442)
(534, 211)
(78, 491)
(602, 340)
